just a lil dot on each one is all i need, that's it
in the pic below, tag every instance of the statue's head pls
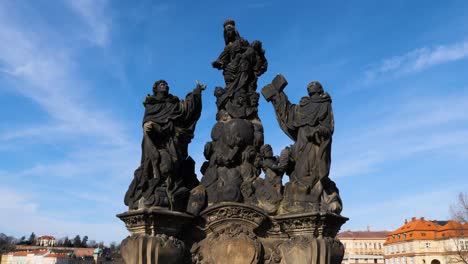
(266, 151)
(314, 87)
(230, 31)
(161, 87)
(229, 23)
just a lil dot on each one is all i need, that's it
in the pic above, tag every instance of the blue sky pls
(73, 75)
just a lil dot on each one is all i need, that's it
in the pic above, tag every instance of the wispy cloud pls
(417, 127)
(48, 77)
(93, 14)
(418, 60)
(97, 156)
(13, 200)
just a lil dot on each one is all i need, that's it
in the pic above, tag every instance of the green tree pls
(77, 241)
(22, 241)
(67, 242)
(459, 212)
(84, 242)
(7, 244)
(32, 239)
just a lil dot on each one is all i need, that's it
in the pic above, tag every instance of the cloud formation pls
(418, 60)
(93, 14)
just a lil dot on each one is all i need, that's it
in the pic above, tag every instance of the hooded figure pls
(168, 126)
(310, 124)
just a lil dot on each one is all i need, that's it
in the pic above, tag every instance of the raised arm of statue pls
(191, 106)
(286, 113)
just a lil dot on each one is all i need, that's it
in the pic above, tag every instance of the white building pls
(427, 242)
(363, 246)
(46, 241)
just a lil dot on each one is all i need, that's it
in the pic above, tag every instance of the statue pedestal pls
(155, 236)
(306, 238)
(245, 234)
(231, 234)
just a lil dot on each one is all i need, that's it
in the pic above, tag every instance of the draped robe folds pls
(310, 124)
(164, 148)
(300, 123)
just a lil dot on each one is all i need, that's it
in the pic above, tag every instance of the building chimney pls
(413, 218)
(422, 218)
(406, 221)
(368, 228)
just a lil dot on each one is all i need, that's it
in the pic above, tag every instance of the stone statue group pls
(234, 214)
(236, 155)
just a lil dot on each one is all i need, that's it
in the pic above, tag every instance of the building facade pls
(363, 246)
(45, 241)
(44, 256)
(420, 241)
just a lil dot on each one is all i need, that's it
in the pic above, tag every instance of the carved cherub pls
(272, 168)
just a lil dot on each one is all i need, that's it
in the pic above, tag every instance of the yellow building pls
(363, 246)
(420, 241)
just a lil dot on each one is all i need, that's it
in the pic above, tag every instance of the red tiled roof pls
(39, 251)
(57, 255)
(46, 237)
(82, 252)
(20, 254)
(421, 229)
(364, 234)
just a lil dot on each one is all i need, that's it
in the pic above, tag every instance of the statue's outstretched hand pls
(200, 87)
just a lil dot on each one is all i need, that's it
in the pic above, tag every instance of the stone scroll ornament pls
(166, 173)
(310, 125)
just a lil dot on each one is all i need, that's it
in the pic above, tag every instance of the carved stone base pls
(159, 248)
(231, 233)
(307, 250)
(246, 234)
(155, 236)
(231, 237)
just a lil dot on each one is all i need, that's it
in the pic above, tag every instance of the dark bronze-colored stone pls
(155, 236)
(234, 215)
(166, 173)
(310, 124)
(231, 167)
